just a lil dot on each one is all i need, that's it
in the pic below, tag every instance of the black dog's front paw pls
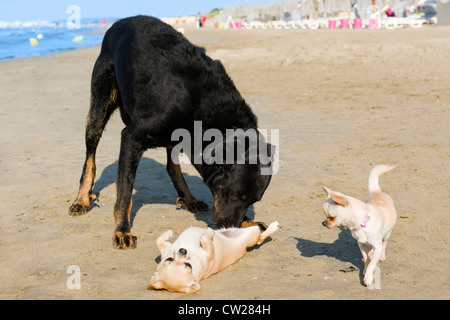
(192, 205)
(80, 207)
(123, 240)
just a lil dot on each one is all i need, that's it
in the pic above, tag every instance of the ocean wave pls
(32, 38)
(36, 24)
(28, 24)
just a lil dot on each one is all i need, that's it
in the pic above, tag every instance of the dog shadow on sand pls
(154, 186)
(344, 248)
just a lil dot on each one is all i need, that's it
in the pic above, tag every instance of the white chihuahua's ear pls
(162, 242)
(193, 288)
(338, 199)
(155, 283)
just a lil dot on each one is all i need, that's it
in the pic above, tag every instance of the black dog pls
(161, 82)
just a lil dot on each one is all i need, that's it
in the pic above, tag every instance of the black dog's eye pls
(169, 259)
(234, 195)
(187, 264)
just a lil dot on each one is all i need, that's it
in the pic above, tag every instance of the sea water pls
(48, 37)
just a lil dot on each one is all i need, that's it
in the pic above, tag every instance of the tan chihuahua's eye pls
(187, 264)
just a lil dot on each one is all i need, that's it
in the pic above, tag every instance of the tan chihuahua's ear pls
(327, 190)
(338, 199)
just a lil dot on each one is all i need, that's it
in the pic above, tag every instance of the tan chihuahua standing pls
(370, 222)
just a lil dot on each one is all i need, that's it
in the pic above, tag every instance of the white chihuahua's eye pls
(169, 259)
(187, 264)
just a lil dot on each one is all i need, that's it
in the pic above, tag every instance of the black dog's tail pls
(105, 93)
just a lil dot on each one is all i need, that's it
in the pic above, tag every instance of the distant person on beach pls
(201, 19)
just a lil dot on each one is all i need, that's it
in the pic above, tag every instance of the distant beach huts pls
(180, 20)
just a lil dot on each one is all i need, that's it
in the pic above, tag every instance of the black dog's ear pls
(267, 160)
(271, 149)
(214, 176)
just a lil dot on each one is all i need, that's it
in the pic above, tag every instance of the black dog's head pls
(235, 191)
(236, 187)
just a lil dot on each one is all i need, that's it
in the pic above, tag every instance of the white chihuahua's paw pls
(269, 231)
(272, 227)
(162, 242)
(168, 234)
(208, 234)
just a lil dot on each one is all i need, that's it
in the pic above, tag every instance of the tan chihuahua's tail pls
(375, 174)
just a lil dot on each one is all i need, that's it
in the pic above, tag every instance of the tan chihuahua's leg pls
(369, 276)
(365, 254)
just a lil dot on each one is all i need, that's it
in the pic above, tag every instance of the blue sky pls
(32, 10)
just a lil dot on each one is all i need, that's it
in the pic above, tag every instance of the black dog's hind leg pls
(130, 154)
(104, 100)
(185, 197)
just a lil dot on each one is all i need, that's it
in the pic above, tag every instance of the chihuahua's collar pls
(362, 225)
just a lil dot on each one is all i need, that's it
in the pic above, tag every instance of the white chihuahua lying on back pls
(199, 253)
(370, 222)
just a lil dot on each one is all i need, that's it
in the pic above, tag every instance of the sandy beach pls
(343, 101)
